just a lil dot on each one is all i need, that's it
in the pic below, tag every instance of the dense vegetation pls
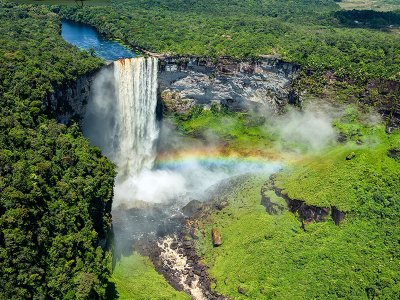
(281, 260)
(348, 56)
(55, 190)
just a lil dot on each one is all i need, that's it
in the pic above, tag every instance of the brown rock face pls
(216, 237)
(306, 213)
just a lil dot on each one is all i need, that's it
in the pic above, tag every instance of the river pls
(86, 37)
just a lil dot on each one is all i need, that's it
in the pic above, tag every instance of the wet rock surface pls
(174, 256)
(144, 221)
(69, 100)
(192, 207)
(166, 234)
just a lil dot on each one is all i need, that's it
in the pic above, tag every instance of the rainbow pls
(214, 159)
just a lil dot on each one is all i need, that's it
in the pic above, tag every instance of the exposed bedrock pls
(174, 256)
(237, 84)
(184, 82)
(306, 213)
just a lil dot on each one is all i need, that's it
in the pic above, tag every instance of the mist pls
(100, 123)
(185, 180)
(309, 129)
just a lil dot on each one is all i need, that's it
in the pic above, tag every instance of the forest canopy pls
(55, 189)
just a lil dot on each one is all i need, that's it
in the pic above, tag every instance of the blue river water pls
(86, 37)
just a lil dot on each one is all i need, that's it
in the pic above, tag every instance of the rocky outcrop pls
(394, 153)
(186, 82)
(337, 215)
(306, 213)
(175, 257)
(384, 95)
(237, 84)
(69, 99)
(192, 207)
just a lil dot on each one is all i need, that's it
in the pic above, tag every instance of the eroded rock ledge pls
(237, 84)
(306, 213)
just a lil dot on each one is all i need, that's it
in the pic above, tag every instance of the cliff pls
(306, 213)
(69, 100)
(237, 84)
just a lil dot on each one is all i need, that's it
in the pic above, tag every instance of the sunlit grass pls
(135, 278)
(266, 256)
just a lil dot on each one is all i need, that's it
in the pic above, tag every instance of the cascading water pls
(136, 94)
(121, 118)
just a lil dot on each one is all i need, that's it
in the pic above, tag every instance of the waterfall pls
(121, 118)
(136, 95)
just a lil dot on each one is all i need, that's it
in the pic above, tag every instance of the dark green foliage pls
(369, 18)
(55, 190)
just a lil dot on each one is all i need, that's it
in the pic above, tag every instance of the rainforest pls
(215, 149)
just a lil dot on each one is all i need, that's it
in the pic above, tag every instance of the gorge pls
(249, 152)
(120, 117)
(168, 180)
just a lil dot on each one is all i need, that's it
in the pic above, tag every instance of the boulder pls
(350, 156)
(192, 207)
(394, 153)
(216, 237)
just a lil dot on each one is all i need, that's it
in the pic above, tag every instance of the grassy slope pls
(135, 278)
(271, 257)
(330, 179)
(239, 133)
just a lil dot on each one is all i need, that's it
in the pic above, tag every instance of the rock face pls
(240, 85)
(306, 213)
(185, 82)
(394, 153)
(337, 215)
(174, 256)
(69, 100)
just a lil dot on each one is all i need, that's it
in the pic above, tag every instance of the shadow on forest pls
(368, 19)
(111, 291)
